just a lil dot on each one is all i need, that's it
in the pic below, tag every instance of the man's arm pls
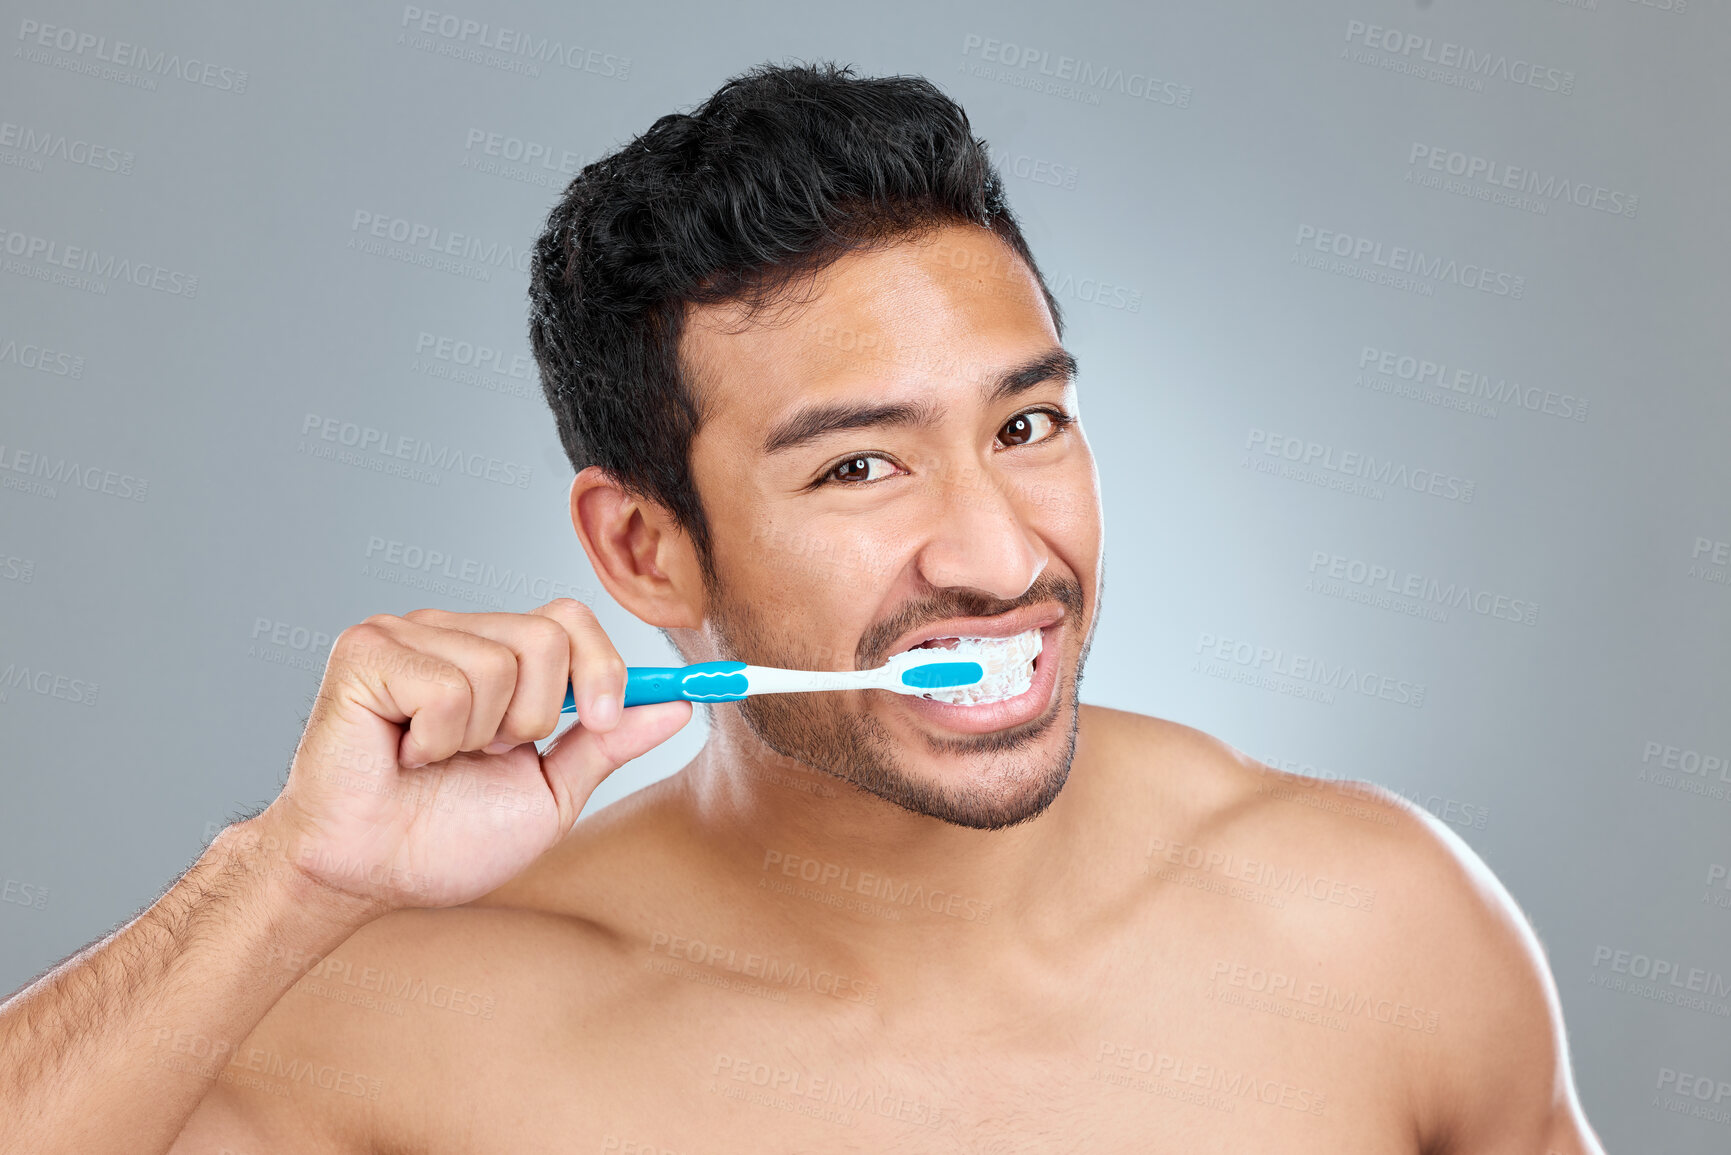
(1498, 1081)
(416, 784)
(114, 1048)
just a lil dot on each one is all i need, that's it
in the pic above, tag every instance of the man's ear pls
(639, 553)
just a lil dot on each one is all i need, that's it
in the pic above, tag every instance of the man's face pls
(878, 462)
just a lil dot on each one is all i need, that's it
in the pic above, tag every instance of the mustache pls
(1048, 587)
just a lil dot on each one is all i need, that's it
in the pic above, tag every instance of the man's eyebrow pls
(815, 421)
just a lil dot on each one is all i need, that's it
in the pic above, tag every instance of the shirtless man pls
(856, 921)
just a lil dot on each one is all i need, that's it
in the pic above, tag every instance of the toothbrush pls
(974, 670)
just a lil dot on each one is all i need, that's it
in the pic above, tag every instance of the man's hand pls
(417, 782)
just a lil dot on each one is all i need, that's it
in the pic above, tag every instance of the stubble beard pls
(1011, 775)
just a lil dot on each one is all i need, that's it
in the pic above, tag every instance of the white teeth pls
(1008, 663)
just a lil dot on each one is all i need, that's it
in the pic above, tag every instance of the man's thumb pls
(580, 759)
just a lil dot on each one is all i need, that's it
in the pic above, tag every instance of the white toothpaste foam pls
(1008, 662)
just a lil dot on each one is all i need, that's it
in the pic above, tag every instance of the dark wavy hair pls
(780, 172)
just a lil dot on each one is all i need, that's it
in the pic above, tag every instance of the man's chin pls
(984, 803)
(984, 781)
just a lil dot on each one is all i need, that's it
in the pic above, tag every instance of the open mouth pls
(1008, 664)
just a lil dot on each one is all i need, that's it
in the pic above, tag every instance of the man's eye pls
(1026, 428)
(854, 469)
(1022, 428)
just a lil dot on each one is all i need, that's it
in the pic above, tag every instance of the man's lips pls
(986, 717)
(1002, 626)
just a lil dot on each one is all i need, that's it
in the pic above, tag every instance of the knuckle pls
(572, 608)
(544, 721)
(361, 641)
(451, 692)
(531, 723)
(548, 634)
(553, 656)
(546, 642)
(497, 668)
(606, 673)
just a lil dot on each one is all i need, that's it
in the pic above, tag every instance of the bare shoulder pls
(422, 1016)
(352, 1055)
(1352, 882)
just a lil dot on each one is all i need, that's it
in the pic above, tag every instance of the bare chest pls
(716, 1062)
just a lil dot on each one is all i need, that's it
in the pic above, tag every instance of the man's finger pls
(597, 670)
(580, 759)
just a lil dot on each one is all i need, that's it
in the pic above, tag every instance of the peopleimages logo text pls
(59, 146)
(1481, 386)
(438, 455)
(1400, 259)
(124, 54)
(1547, 186)
(67, 471)
(30, 356)
(515, 42)
(79, 259)
(433, 239)
(1084, 73)
(1448, 54)
(1351, 463)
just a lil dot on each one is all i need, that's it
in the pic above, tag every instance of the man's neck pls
(888, 887)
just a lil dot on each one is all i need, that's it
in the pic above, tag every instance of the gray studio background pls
(1478, 247)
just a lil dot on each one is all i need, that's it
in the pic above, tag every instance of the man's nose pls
(977, 536)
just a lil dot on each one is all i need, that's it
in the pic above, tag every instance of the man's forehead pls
(956, 307)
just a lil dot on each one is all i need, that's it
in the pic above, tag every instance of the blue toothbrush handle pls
(701, 682)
